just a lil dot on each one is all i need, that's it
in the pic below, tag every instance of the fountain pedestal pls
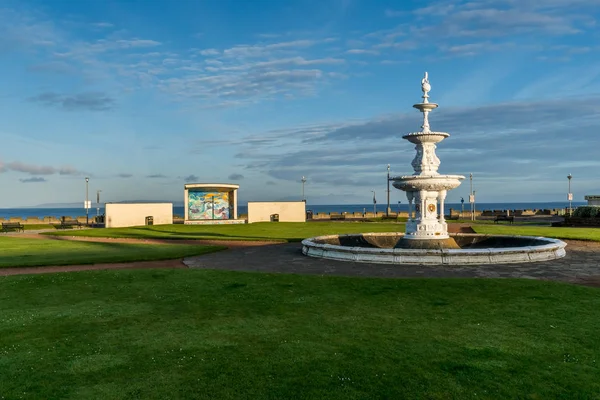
(426, 189)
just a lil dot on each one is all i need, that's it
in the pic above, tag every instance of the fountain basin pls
(427, 182)
(474, 249)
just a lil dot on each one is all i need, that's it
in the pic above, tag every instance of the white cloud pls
(209, 52)
(362, 51)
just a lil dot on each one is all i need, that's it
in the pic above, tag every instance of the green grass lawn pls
(294, 231)
(548, 231)
(21, 252)
(284, 231)
(167, 334)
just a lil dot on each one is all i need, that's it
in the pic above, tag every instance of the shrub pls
(587, 212)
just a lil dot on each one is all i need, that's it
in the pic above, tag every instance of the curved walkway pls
(581, 265)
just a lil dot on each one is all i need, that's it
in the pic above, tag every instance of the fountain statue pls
(426, 240)
(426, 189)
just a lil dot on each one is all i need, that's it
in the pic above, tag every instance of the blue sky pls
(144, 96)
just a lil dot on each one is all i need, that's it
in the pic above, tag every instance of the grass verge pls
(21, 252)
(157, 334)
(548, 231)
(294, 231)
(281, 231)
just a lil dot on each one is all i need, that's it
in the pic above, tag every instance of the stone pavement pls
(581, 265)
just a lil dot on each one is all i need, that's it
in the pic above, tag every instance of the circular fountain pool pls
(474, 249)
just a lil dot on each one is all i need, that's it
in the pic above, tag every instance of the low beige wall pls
(289, 211)
(119, 215)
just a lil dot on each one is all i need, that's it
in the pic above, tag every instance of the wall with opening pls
(276, 211)
(120, 215)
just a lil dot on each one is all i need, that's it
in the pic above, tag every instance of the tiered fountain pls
(426, 227)
(426, 240)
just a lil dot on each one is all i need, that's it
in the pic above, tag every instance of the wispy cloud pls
(466, 28)
(191, 178)
(34, 179)
(235, 177)
(156, 176)
(82, 101)
(124, 175)
(32, 169)
(103, 25)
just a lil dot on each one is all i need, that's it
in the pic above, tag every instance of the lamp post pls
(472, 197)
(98, 203)
(399, 207)
(87, 204)
(387, 211)
(303, 182)
(570, 195)
(374, 204)
(473, 205)
(462, 206)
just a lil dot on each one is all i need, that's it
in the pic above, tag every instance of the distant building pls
(593, 200)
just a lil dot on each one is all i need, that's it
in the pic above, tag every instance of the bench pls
(12, 226)
(68, 223)
(508, 218)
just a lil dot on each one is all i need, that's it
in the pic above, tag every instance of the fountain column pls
(410, 197)
(428, 228)
(441, 198)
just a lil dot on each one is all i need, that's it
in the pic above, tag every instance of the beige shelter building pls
(281, 211)
(120, 215)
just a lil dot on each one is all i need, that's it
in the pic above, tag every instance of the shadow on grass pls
(74, 253)
(143, 233)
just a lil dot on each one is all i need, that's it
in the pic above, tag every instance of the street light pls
(387, 211)
(374, 204)
(570, 195)
(98, 202)
(303, 182)
(473, 205)
(472, 197)
(87, 204)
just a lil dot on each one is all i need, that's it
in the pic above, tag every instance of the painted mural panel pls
(208, 205)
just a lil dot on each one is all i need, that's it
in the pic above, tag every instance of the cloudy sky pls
(144, 96)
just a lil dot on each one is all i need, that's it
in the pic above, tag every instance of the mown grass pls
(281, 231)
(548, 231)
(201, 334)
(22, 252)
(297, 231)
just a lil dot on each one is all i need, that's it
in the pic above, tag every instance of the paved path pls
(581, 265)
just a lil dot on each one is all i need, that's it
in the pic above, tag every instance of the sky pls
(145, 96)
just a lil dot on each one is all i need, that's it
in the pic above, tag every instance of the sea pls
(315, 208)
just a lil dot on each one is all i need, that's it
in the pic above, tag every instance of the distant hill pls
(80, 204)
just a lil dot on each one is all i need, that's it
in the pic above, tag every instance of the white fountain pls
(426, 188)
(426, 240)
